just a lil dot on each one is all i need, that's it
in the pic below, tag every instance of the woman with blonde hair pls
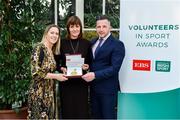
(41, 102)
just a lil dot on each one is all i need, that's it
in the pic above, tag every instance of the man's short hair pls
(102, 17)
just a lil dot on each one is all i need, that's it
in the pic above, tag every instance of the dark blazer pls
(106, 66)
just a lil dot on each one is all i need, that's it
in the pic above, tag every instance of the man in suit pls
(107, 57)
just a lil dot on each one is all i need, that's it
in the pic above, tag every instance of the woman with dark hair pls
(74, 92)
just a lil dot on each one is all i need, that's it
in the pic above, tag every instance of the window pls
(88, 12)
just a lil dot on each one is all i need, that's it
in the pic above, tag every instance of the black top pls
(74, 91)
(74, 46)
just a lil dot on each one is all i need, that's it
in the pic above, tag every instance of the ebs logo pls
(143, 65)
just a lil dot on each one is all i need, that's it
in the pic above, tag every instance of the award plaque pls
(74, 64)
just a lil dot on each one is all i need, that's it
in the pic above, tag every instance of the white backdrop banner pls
(150, 30)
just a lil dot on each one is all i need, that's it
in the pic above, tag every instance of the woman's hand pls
(56, 76)
(61, 77)
(85, 66)
(64, 70)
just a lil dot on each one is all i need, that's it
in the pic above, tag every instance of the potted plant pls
(15, 49)
(15, 77)
(21, 24)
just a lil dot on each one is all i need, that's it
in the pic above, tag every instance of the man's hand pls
(88, 77)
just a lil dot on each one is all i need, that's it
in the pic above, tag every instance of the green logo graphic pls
(163, 66)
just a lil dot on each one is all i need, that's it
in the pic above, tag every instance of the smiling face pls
(103, 27)
(74, 31)
(52, 35)
(74, 28)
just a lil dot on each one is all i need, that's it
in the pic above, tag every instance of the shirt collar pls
(106, 36)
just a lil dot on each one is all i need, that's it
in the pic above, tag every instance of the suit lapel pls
(104, 45)
(93, 41)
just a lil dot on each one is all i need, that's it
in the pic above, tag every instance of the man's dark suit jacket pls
(106, 66)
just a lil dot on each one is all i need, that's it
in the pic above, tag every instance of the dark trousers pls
(103, 106)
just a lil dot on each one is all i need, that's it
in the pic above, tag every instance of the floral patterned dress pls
(41, 103)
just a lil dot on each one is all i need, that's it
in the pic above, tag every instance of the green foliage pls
(93, 8)
(21, 24)
(115, 34)
(89, 35)
(90, 20)
(15, 74)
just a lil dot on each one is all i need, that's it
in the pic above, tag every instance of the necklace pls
(49, 50)
(76, 48)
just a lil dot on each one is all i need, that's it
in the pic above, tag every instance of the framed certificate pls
(74, 64)
(74, 72)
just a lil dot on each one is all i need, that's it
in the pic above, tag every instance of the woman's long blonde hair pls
(56, 46)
